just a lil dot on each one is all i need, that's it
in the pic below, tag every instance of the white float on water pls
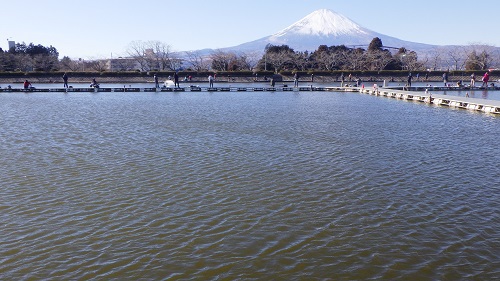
(169, 84)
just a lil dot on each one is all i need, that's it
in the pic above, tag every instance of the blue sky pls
(98, 29)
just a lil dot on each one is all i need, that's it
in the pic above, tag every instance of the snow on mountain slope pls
(325, 27)
(322, 23)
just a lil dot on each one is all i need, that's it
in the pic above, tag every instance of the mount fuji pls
(325, 27)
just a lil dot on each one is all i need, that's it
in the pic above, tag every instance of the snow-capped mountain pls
(322, 23)
(325, 27)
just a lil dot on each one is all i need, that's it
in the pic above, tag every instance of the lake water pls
(246, 186)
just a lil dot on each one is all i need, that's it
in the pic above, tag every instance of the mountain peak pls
(323, 22)
(325, 27)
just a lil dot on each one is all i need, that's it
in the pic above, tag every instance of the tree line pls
(158, 56)
(29, 58)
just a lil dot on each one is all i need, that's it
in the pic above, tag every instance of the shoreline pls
(366, 78)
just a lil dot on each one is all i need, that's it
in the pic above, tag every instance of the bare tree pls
(435, 59)
(482, 56)
(175, 63)
(301, 60)
(68, 64)
(354, 59)
(151, 55)
(345, 57)
(44, 62)
(379, 59)
(162, 54)
(157, 55)
(250, 60)
(123, 64)
(325, 60)
(24, 62)
(197, 61)
(97, 64)
(410, 61)
(222, 61)
(136, 50)
(457, 56)
(7, 61)
(279, 59)
(423, 62)
(426, 60)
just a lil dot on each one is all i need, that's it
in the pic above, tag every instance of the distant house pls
(122, 64)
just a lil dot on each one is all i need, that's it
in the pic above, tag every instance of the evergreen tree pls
(375, 45)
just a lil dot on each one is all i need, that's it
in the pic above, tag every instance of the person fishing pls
(94, 84)
(65, 79)
(26, 84)
(485, 79)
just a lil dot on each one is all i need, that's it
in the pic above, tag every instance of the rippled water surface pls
(246, 186)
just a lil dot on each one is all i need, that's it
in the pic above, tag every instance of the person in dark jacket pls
(176, 80)
(65, 79)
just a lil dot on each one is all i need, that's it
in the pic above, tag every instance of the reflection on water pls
(182, 186)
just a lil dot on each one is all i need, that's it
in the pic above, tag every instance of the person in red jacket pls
(26, 84)
(486, 78)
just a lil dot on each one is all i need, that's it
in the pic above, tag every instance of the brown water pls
(246, 186)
